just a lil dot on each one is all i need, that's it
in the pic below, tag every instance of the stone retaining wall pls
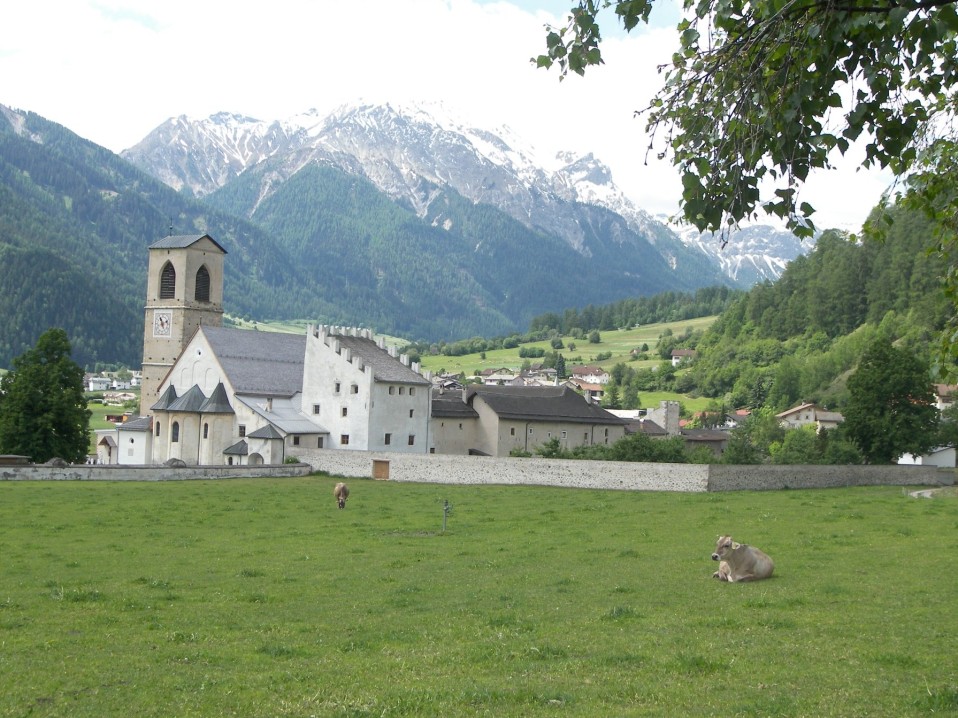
(101, 472)
(734, 478)
(436, 468)
(446, 469)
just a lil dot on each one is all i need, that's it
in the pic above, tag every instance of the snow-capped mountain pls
(750, 254)
(413, 154)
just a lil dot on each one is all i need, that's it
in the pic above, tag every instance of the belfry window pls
(168, 282)
(202, 285)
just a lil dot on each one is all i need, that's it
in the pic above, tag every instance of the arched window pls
(157, 428)
(168, 282)
(175, 432)
(202, 285)
(206, 431)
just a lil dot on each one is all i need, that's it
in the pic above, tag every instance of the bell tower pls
(184, 290)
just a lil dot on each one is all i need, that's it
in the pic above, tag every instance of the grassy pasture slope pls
(618, 342)
(260, 598)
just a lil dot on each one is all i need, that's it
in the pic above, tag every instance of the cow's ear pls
(735, 546)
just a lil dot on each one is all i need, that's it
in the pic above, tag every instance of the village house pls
(805, 414)
(593, 392)
(498, 377)
(589, 374)
(945, 395)
(99, 383)
(681, 356)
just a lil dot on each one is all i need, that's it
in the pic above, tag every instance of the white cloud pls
(112, 70)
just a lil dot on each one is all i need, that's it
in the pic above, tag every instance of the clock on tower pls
(162, 322)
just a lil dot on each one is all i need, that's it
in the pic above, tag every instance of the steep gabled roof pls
(386, 368)
(541, 403)
(259, 363)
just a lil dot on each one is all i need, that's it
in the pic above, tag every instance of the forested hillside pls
(796, 339)
(466, 268)
(327, 246)
(75, 224)
(662, 307)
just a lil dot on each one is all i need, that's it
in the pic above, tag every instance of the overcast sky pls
(113, 70)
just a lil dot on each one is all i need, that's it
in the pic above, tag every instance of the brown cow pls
(740, 562)
(341, 492)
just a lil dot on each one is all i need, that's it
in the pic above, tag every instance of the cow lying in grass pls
(341, 492)
(740, 562)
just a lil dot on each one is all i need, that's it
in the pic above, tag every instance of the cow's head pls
(724, 545)
(341, 501)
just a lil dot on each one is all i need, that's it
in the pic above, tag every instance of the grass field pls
(260, 598)
(618, 342)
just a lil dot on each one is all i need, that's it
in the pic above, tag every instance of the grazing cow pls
(740, 562)
(341, 492)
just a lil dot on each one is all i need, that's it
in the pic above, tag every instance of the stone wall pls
(445, 469)
(734, 478)
(437, 468)
(102, 472)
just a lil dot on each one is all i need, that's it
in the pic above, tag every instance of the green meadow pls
(619, 343)
(261, 598)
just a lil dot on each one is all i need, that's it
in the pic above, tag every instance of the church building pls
(213, 395)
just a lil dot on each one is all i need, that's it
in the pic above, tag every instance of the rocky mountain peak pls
(413, 153)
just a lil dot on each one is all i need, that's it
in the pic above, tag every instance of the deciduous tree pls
(43, 411)
(891, 406)
(762, 92)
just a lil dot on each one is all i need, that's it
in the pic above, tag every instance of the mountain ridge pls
(410, 151)
(427, 262)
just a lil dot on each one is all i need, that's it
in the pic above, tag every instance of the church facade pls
(214, 395)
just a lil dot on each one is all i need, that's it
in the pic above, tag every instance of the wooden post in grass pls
(446, 510)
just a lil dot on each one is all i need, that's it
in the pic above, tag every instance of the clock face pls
(162, 322)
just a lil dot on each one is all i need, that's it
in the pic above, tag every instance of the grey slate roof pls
(182, 241)
(266, 432)
(263, 363)
(140, 423)
(239, 448)
(166, 398)
(542, 403)
(192, 400)
(450, 405)
(285, 415)
(218, 403)
(704, 435)
(650, 428)
(385, 367)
